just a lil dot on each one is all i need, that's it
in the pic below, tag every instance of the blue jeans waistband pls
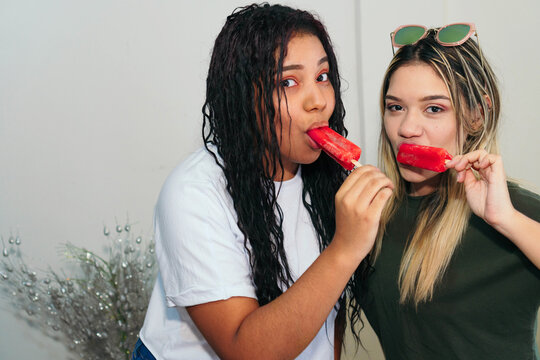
(141, 352)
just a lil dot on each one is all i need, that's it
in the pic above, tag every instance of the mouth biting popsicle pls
(336, 146)
(424, 157)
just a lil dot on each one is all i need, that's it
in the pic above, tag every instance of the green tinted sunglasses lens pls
(453, 33)
(408, 35)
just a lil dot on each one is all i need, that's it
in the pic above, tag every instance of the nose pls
(314, 99)
(409, 126)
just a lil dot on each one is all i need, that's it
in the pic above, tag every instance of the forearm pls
(284, 327)
(524, 232)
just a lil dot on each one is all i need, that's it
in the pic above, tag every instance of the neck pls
(288, 172)
(424, 188)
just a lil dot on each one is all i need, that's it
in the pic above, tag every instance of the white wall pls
(99, 100)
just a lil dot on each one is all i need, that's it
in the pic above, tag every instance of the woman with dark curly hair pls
(257, 233)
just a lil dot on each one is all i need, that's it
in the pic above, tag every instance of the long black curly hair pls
(246, 61)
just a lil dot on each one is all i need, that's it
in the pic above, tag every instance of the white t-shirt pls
(201, 256)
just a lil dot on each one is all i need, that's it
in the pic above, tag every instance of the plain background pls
(100, 100)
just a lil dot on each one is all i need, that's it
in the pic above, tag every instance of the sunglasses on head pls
(449, 35)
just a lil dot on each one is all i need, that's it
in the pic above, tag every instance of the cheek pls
(282, 118)
(330, 100)
(447, 137)
(391, 129)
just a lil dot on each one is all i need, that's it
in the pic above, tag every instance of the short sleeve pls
(525, 201)
(199, 247)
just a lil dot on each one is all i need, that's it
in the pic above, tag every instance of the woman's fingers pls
(361, 198)
(380, 200)
(479, 160)
(362, 185)
(486, 189)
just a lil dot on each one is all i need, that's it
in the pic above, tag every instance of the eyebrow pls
(300, 67)
(425, 98)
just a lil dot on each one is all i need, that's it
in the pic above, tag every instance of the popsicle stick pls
(356, 163)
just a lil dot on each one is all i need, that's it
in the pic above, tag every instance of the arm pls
(489, 199)
(241, 329)
(524, 232)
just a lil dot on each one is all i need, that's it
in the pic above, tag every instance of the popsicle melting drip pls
(336, 146)
(424, 157)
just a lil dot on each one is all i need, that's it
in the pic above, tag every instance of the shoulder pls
(525, 201)
(199, 246)
(195, 182)
(198, 169)
(199, 166)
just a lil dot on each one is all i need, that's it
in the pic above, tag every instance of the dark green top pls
(484, 308)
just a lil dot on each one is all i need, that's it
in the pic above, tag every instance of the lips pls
(312, 143)
(315, 125)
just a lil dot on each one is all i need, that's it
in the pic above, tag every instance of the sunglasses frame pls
(472, 31)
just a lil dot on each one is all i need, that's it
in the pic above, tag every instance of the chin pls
(311, 158)
(416, 175)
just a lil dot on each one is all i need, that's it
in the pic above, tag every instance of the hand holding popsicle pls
(487, 194)
(489, 199)
(359, 204)
(361, 198)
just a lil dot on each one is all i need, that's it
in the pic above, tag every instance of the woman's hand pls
(487, 195)
(489, 199)
(359, 203)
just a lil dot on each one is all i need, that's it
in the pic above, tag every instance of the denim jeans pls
(141, 352)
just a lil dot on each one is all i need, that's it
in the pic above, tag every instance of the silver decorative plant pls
(97, 310)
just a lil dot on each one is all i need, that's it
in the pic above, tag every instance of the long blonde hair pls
(443, 216)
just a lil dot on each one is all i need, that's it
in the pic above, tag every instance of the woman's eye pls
(288, 83)
(323, 77)
(434, 109)
(394, 107)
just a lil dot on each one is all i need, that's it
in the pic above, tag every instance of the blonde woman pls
(455, 265)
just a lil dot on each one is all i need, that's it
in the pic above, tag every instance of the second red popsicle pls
(424, 157)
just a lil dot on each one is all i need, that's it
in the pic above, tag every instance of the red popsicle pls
(336, 146)
(424, 157)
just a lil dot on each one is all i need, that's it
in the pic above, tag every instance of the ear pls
(488, 101)
(478, 119)
(479, 115)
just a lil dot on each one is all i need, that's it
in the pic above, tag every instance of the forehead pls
(303, 45)
(417, 79)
